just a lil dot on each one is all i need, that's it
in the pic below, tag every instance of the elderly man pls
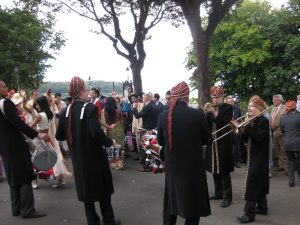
(16, 157)
(182, 131)
(148, 113)
(79, 125)
(219, 155)
(278, 139)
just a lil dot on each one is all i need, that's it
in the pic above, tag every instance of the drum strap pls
(82, 110)
(2, 106)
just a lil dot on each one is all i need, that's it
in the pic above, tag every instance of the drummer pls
(16, 157)
(42, 121)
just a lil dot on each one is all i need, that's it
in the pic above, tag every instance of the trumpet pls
(208, 106)
(234, 127)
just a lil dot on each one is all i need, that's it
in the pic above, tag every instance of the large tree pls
(26, 43)
(202, 29)
(143, 14)
(255, 50)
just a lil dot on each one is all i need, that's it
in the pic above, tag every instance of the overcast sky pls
(87, 54)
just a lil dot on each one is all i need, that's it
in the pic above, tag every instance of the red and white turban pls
(179, 91)
(76, 85)
(290, 106)
(258, 102)
(216, 91)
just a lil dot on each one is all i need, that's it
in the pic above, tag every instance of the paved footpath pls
(138, 201)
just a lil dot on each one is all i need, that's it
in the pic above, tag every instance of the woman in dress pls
(113, 120)
(43, 121)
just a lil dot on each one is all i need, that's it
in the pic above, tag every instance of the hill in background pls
(106, 87)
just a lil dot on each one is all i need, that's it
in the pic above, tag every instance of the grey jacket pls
(290, 127)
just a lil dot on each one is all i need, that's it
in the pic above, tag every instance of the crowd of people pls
(216, 138)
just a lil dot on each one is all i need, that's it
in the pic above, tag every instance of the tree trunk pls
(202, 71)
(201, 45)
(137, 79)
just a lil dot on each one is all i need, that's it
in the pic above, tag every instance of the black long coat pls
(92, 174)
(257, 179)
(218, 156)
(186, 192)
(13, 147)
(149, 114)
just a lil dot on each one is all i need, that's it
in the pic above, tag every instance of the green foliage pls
(256, 50)
(26, 43)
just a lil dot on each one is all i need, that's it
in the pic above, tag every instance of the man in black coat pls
(219, 156)
(149, 113)
(16, 157)
(79, 125)
(237, 113)
(182, 131)
(159, 105)
(257, 179)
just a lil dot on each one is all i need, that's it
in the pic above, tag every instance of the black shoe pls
(115, 222)
(216, 197)
(16, 214)
(278, 169)
(245, 219)
(34, 215)
(225, 203)
(144, 170)
(237, 165)
(291, 184)
(261, 212)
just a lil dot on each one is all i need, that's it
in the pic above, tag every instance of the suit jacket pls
(138, 123)
(186, 192)
(13, 148)
(149, 114)
(280, 113)
(160, 107)
(290, 127)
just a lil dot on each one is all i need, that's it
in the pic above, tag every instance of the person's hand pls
(298, 97)
(44, 137)
(114, 142)
(134, 105)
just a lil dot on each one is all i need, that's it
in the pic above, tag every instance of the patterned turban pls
(179, 91)
(76, 85)
(258, 102)
(216, 91)
(290, 106)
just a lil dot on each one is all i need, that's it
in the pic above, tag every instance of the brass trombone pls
(236, 127)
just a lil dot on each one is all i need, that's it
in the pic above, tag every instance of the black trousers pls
(106, 211)
(250, 207)
(223, 185)
(293, 164)
(171, 219)
(236, 147)
(22, 200)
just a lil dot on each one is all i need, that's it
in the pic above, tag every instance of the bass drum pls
(45, 157)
